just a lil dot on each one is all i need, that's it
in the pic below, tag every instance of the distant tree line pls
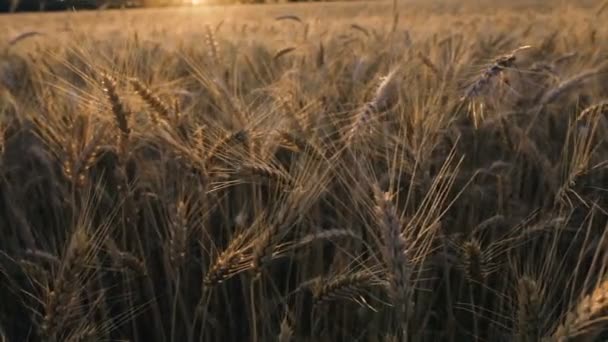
(54, 5)
(47, 5)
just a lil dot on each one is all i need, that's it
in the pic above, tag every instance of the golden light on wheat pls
(314, 172)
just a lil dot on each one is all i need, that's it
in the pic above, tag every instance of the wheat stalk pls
(289, 17)
(350, 287)
(385, 96)
(286, 331)
(241, 136)
(428, 63)
(213, 46)
(569, 84)
(596, 109)
(66, 286)
(178, 236)
(121, 115)
(394, 248)
(529, 314)
(282, 53)
(587, 318)
(230, 261)
(474, 261)
(495, 69)
(157, 105)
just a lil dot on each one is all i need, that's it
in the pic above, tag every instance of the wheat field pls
(364, 171)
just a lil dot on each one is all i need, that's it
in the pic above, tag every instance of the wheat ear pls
(158, 106)
(529, 305)
(587, 318)
(394, 247)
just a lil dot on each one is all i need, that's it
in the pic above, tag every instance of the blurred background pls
(58, 5)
